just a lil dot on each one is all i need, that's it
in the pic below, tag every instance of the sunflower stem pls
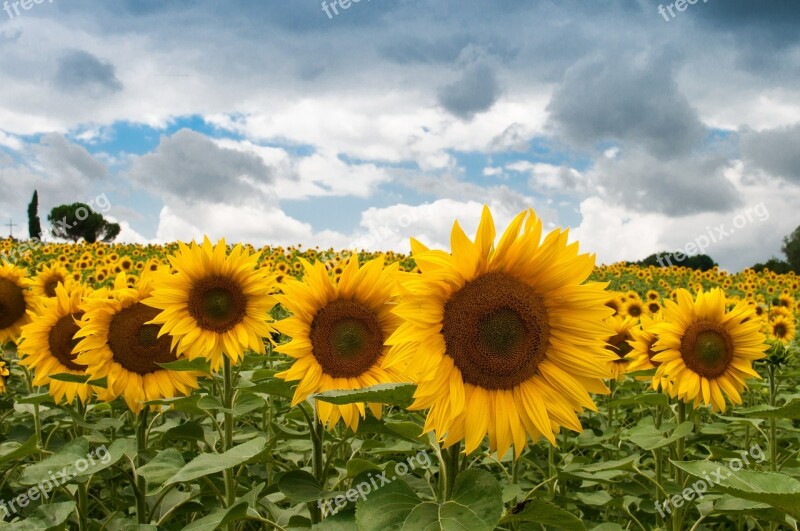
(773, 422)
(658, 458)
(227, 402)
(452, 466)
(83, 505)
(551, 472)
(677, 516)
(317, 463)
(141, 447)
(37, 421)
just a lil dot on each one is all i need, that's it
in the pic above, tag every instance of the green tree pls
(78, 220)
(34, 223)
(703, 262)
(776, 265)
(791, 248)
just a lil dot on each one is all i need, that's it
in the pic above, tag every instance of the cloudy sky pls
(275, 122)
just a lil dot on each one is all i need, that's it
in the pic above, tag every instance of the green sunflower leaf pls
(397, 394)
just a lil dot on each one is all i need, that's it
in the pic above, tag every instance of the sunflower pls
(117, 342)
(4, 373)
(45, 282)
(782, 328)
(705, 351)
(215, 302)
(634, 308)
(15, 301)
(653, 307)
(641, 354)
(47, 343)
(619, 344)
(338, 331)
(786, 300)
(503, 339)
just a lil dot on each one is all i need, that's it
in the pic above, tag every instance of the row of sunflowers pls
(499, 343)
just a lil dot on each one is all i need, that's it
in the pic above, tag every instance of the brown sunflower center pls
(136, 345)
(62, 341)
(346, 338)
(634, 310)
(496, 329)
(51, 285)
(651, 352)
(707, 349)
(618, 344)
(779, 330)
(217, 304)
(12, 303)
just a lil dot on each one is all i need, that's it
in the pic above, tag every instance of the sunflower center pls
(346, 338)
(707, 349)
(12, 303)
(634, 310)
(217, 304)
(651, 353)
(136, 345)
(501, 331)
(779, 330)
(51, 285)
(618, 344)
(61, 342)
(496, 329)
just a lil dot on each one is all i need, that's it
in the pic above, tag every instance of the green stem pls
(658, 458)
(141, 447)
(773, 422)
(551, 471)
(680, 448)
(37, 422)
(452, 464)
(227, 403)
(83, 505)
(317, 463)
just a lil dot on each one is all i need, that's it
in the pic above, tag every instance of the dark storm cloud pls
(190, 166)
(475, 92)
(776, 151)
(613, 98)
(79, 70)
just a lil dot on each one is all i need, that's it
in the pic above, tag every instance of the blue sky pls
(273, 123)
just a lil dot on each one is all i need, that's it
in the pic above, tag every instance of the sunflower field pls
(507, 382)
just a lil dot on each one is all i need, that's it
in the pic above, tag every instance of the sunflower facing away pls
(216, 303)
(118, 343)
(15, 301)
(47, 343)
(619, 344)
(503, 340)
(641, 355)
(705, 351)
(338, 329)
